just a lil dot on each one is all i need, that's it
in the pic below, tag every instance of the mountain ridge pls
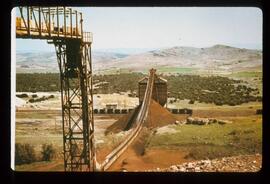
(216, 57)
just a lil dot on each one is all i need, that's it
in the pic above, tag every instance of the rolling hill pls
(218, 58)
(31, 62)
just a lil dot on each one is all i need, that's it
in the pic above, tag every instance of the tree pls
(48, 152)
(24, 154)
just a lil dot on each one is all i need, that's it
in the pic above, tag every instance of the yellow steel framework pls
(63, 27)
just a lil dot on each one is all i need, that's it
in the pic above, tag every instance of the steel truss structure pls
(73, 50)
(77, 105)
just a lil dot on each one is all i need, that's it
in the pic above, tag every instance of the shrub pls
(48, 152)
(259, 98)
(231, 103)
(34, 96)
(24, 154)
(219, 103)
(32, 100)
(24, 95)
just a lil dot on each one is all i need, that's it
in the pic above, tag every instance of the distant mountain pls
(215, 58)
(126, 51)
(30, 62)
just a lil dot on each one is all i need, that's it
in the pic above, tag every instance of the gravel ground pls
(243, 163)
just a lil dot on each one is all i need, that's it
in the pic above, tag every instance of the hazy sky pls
(156, 27)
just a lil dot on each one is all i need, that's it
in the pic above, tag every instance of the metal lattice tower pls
(77, 105)
(73, 50)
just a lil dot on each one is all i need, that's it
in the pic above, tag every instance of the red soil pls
(158, 116)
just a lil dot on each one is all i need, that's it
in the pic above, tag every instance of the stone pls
(124, 162)
(222, 122)
(182, 169)
(174, 168)
(197, 169)
(207, 162)
(190, 120)
(190, 165)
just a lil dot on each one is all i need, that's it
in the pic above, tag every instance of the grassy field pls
(210, 106)
(112, 71)
(166, 70)
(254, 78)
(243, 136)
(56, 165)
(175, 70)
(247, 74)
(45, 127)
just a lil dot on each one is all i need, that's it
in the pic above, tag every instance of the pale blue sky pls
(156, 27)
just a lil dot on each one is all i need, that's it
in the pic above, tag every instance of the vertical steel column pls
(28, 21)
(81, 22)
(49, 15)
(77, 108)
(76, 23)
(91, 112)
(39, 20)
(70, 22)
(65, 31)
(57, 14)
(60, 53)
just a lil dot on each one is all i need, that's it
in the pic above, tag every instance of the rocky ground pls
(242, 163)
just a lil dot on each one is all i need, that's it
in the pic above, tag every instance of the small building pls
(101, 87)
(159, 93)
(111, 106)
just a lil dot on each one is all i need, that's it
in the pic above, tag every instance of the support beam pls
(77, 105)
(22, 17)
(58, 28)
(39, 19)
(81, 22)
(49, 16)
(28, 21)
(33, 13)
(65, 30)
(71, 22)
(76, 24)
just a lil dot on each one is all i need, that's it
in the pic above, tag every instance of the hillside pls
(218, 58)
(31, 62)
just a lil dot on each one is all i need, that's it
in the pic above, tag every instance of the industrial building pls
(159, 93)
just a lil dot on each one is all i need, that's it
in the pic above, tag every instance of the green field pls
(246, 74)
(163, 70)
(175, 70)
(243, 136)
(112, 71)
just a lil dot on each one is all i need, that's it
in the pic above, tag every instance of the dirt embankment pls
(158, 116)
(123, 123)
(135, 157)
